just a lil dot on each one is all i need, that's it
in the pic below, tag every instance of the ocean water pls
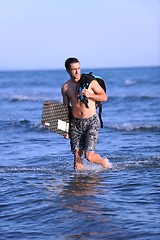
(42, 197)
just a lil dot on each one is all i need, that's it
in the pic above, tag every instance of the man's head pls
(72, 66)
(69, 61)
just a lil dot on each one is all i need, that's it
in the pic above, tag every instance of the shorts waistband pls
(84, 119)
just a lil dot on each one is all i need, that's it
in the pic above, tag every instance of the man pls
(84, 123)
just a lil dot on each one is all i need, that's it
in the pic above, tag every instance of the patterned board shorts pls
(84, 133)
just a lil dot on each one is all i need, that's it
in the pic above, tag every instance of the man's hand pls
(86, 93)
(66, 136)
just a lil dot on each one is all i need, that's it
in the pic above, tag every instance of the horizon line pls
(61, 69)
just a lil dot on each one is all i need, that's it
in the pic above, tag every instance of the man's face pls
(75, 71)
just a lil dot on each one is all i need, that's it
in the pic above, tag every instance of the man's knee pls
(89, 156)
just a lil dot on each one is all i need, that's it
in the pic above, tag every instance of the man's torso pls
(79, 109)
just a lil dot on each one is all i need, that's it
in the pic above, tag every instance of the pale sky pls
(41, 34)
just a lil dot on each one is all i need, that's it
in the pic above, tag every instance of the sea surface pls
(42, 197)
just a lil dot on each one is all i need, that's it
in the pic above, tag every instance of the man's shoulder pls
(67, 82)
(93, 82)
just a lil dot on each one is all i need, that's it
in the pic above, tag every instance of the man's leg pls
(78, 163)
(96, 158)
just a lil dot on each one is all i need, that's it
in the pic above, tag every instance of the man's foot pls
(106, 163)
(79, 166)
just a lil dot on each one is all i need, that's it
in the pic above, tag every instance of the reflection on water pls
(81, 190)
(83, 185)
(84, 194)
(83, 197)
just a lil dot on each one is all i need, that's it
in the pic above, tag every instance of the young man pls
(84, 124)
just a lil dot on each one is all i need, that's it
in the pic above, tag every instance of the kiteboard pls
(55, 117)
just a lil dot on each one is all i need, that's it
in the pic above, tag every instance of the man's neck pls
(75, 80)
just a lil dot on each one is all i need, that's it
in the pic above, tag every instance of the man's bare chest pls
(72, 92)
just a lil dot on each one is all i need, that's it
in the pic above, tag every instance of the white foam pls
(130, 82)
(131, 126)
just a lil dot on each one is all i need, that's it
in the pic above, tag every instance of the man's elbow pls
(105, 98)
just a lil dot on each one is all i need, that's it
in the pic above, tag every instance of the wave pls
(136, 164)
(18, 169)
(119, 163)
(58, 98)
(130, 82)
(119, 127)
(133, 97)
(27, 98)
(133, 127)
(24, 124)
(20, 98)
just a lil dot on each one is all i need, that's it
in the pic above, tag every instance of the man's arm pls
(65, 97)
(66, 102)
(98, 95)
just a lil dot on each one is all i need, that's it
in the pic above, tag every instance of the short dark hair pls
(69, 61)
